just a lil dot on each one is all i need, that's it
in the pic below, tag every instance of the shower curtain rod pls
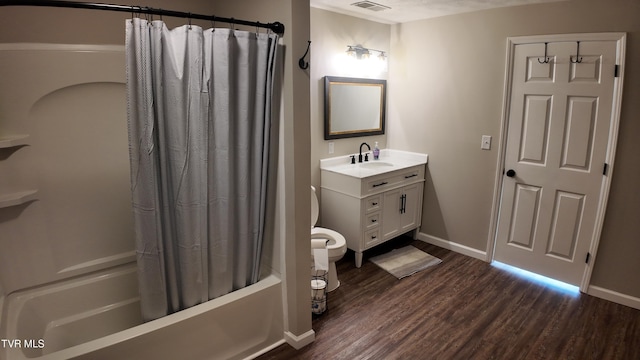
(276, 27)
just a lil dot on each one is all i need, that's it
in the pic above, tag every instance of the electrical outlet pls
(486, 142)
(331, 147)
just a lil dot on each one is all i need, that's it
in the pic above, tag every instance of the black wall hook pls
(303, 64)
(546, 58)
(578, 59)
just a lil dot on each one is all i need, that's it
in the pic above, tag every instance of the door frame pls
(621, 39)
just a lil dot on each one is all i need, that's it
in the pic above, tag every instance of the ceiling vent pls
(370, 6)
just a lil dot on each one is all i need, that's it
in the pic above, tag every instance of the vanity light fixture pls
(359, 52)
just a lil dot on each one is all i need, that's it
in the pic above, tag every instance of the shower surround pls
(71, 240)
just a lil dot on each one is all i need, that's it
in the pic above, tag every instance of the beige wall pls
(330, 35)
(447, 91)
(80, 26)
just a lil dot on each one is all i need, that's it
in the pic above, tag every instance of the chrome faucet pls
(366, 158)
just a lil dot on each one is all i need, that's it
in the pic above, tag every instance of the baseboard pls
(614, 296)
(298, 342)
(446, 244)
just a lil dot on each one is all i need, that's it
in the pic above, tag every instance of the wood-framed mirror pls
(353, 107)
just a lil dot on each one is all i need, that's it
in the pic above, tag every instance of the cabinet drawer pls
(416, 173)
(372, 220)
(373, 203)
(380, 183)
(372, 238)
(392, 180)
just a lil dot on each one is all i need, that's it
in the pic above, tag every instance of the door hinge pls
(616, 71)
(605, 168)
(588, 257)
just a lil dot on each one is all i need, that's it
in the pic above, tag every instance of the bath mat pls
(405, 261)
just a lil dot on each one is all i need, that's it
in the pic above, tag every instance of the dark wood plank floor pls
(463, 308)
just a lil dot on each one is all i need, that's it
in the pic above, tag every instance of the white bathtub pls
(98, 317)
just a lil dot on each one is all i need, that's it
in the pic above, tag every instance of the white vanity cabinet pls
(373, 205)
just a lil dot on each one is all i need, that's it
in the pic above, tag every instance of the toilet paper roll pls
(317, 284)
(318, 243)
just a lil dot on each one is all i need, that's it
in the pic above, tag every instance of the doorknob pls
(511, 173)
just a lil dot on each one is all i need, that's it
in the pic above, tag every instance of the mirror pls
(353, 107)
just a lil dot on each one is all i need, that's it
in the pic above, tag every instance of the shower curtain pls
(199, 112)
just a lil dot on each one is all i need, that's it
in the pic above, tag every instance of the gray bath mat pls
(405, 261)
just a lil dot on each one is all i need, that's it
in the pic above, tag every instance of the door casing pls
(620, 38)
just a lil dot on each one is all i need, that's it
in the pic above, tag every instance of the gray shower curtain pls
(199, 112)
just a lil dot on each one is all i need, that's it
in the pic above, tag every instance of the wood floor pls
(463, 308)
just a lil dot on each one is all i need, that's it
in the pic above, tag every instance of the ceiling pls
(400, 11)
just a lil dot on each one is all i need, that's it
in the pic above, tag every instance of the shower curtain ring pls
(135, 11)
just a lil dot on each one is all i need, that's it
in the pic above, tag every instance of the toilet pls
(336, 246)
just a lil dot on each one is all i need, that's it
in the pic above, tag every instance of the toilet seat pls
(315, 210)
(336, 240)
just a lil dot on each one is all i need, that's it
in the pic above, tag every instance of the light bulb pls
(351, 52)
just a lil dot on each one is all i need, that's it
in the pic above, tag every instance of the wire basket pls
(319, 282)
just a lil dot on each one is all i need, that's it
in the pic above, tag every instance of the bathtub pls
(98, 317)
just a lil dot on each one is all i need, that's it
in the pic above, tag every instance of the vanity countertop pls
(389, 160)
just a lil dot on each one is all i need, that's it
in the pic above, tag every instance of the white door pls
(558, 139)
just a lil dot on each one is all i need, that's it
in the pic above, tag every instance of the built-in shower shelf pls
(13, 141)
(17, 198)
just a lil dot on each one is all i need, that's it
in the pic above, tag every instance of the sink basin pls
(374, 164)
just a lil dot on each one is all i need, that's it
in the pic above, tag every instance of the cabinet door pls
(391, 214)
(410, 216)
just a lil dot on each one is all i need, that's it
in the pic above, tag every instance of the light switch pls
(331, 148)
(486, 142)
